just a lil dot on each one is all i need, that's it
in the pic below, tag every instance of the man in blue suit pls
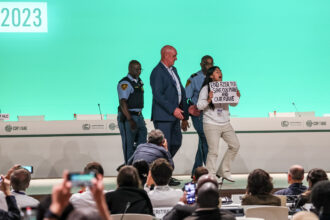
(169, 103)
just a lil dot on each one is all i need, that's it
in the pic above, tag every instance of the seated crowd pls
(144, 186)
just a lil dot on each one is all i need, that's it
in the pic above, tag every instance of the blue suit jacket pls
(165, 95)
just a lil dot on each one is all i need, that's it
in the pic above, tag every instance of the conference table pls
(273, 144)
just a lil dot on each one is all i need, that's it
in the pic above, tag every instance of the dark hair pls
(94, 167)
(297, 173)
(161, 171)
(315, 175)
(208, 196)
(259, 182)
(156, 137)
(128, 176)
(204, 58)
(20, 179)
(200, 171)
(321, 196)
(207, 80)
(143, 169)
(133, 62)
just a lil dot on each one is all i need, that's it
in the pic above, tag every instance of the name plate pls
(23, 17)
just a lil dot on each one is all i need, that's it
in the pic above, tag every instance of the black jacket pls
(135, 200)
(13, 211)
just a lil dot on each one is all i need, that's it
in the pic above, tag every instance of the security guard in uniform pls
(193, 87)
(131, 123)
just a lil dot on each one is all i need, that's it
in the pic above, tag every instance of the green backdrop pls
(277, 51)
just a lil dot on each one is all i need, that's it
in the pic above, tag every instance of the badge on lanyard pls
(219, 111)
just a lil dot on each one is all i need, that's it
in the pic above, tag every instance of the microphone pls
(127, 206)
(100, 111)
(294, 105)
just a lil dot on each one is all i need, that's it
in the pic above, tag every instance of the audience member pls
(61, 195)
(305, 215)
(129, 197)
(259, 189)
(154, 149)
(13, 212)
(199, 171)
(314, 175)
(207, 204)
(182, 210)
(143, 169)
(295, 178)
(45, 204)
(20, 180)
(162, 195)
(320, 198)
(85, 199)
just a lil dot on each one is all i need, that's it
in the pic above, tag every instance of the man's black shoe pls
(174, 182)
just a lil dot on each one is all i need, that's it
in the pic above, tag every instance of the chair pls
(268, 212)
(304, 215)
(130, 216)
(283, 199)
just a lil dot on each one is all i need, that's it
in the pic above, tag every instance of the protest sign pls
(224, 92)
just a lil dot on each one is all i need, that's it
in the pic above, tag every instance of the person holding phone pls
(20, 179)
(216, 124)
(206, 206)
(13, 212)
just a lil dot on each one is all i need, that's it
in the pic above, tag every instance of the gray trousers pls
(213, 134)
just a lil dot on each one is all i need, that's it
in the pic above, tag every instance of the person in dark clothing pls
(129, 197)
(143, 169)
(258, 190)
(130, 120)
(154, 149)
(13, 211)
(295, 178)
(206, 206)
(314, 175)
(321, 199)
(44, 206)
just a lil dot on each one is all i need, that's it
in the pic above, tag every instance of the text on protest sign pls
(224, 92)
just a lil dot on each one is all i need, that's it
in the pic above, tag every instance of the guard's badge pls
(124, 86)
(188, 82)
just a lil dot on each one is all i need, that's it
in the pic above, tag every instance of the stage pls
(273, 144)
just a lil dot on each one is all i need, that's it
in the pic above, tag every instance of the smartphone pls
(81, 179)
(190, 188)
(28, 168)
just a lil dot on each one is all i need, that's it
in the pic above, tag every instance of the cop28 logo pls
(86, 126)
(8, 128)
(112, 126)
(285, 123)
